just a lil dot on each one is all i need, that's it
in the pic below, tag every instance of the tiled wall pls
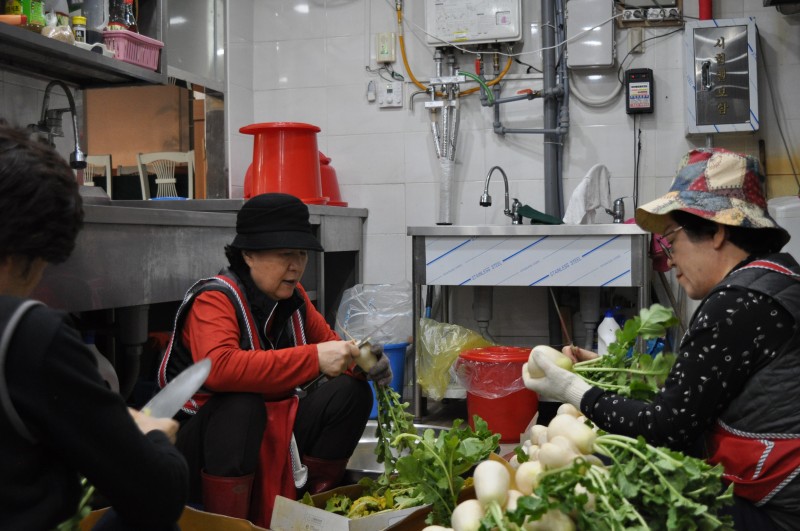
(307, 64)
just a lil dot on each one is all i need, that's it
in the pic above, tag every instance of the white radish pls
(527, 476)
(553, 456)
(366, 359)
(565, 443)
(514, 462)
(511, 502)
(552, 520)
(582, 436)
(538, 434)
(467, 516)
(545, 351)
(589, 506)
(492, 481)
(437, 528)
(560, 425)
(533, 452)
(568, 409)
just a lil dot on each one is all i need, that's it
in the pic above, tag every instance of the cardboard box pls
(290, 515)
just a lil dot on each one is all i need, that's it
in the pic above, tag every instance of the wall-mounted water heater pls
(721, 76)
(472, 21)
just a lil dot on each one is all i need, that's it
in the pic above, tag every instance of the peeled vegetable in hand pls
(545, 351)
(366, 359)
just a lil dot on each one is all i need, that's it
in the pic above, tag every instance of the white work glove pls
(558, 384)
(381, 372)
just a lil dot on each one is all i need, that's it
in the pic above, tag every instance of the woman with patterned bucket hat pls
(732, 394)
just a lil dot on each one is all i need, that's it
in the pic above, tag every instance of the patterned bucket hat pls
(715, 184)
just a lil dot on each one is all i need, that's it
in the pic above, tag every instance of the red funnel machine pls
(330, 183)
(286, 160)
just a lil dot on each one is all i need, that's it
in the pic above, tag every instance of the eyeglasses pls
(667, 247)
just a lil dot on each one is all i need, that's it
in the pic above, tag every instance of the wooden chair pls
(98, 166)
(163, 165)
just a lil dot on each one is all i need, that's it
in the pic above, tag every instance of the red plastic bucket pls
(330, 183)
(491, 370)
(286, 160)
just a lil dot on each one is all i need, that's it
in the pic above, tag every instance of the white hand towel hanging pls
(593, 192)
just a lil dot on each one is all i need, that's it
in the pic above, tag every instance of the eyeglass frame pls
(667, 249)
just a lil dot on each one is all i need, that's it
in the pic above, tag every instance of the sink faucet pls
(486, 199)
(51, 124)
(618, 211)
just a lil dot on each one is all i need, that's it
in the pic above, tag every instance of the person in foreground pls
(278, 370)
(732, 396)
(59, 420)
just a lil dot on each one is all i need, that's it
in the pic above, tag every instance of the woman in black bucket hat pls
(732, 396)
(277, 369)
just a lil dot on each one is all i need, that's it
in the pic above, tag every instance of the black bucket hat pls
(274, 221)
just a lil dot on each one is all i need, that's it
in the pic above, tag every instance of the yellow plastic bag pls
(438, 346)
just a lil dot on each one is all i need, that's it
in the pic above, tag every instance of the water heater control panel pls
(472, 21)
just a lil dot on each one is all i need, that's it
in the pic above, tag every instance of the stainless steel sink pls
(363, 461)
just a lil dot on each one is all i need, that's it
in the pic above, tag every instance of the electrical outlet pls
(630, 15)
(635, 44)
(655, 13)
(384, 48)
(390, 93)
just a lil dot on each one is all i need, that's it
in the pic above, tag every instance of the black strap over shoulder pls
(5, 341)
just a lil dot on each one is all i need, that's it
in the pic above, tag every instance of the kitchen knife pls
(171, 398)
(561, 320)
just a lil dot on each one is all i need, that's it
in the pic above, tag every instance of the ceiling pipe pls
(705, 10)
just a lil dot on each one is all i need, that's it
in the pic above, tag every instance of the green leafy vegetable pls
(637, 375)
(643, 487)
(436, 465)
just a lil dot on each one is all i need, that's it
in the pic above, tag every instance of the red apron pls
(758, 466)
(274, 473)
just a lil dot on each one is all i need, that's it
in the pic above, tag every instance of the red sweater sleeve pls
(212, 331)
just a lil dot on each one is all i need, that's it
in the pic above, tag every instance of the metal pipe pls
(551, 140)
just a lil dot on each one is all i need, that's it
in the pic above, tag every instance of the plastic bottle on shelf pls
(606, 332)
(121, 16)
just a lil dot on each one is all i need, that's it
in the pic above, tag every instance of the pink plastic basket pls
(134, 48)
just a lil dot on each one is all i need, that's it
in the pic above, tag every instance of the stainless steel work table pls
(527, 256)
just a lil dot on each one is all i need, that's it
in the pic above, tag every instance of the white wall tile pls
(384, 258)
(265, 65)
(240, 64)
(342, 66)
(349, 113)
(288, 20)
(367, 159)
(308, 105)
(386, 204)
(301, 63)
(345, 18)
(240, 22)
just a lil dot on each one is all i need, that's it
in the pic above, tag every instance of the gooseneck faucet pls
(486, 199)
(51, 123)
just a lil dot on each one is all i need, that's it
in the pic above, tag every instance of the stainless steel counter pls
(527, 256)
(148, 252)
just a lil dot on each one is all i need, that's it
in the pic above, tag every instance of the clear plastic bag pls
(438, 346)
(378, 312)
(492, 373)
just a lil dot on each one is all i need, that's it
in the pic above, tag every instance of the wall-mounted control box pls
(390, 93)
(590, 33)
(472, 21)
(638, 91)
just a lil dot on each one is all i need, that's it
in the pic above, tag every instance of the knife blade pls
(561, 320)
(171, 398)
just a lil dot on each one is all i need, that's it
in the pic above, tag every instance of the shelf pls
(33, 54)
